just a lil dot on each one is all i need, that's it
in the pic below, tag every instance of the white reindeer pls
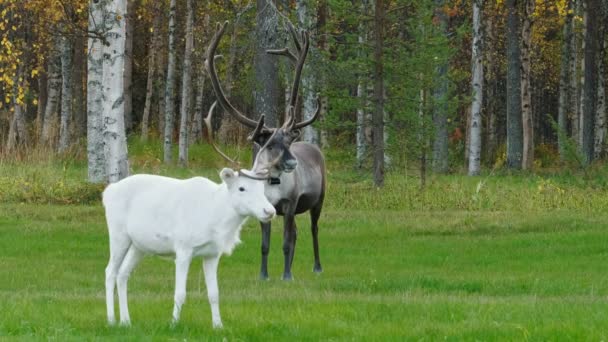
(149, 214)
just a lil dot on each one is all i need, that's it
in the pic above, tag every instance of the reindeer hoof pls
(317, 269)
(287, 277)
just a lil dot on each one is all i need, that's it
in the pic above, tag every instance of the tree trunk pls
(42, 99)
(170, 87)
(514, 119)
(186, 87)
(17, 134)
(574, 86)
(491, 84)
(322, 14)
(266, 68)
(600, 110)
(378, 115)
(362, 94)
(440, 108)
(306, 21)
(154, 45)
(95, 144)
(565, 94)
(54, 89)
(197, 120)
(66, 93)
(477, 86)
(80, 117)
(590, 74)
(113, 105)
(526, 102)
(128, 72)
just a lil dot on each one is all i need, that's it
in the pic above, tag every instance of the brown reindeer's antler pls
(207, 121)
(217, 88)
(301, 44)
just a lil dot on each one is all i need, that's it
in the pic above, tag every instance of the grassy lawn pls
(498, 257)
(387, 275)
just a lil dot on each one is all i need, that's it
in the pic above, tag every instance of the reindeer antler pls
(207, 121)
(217, 88)
(301, 44)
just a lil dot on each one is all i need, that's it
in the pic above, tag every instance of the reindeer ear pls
(228, 175)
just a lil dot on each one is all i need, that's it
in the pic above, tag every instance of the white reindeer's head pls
(247, 194)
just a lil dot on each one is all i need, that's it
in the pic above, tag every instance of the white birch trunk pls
(113, 85)
(170, 87)
(526, 102)
(186, 88)
(54, 89)
(197, 119)
(305, 19)
(477, 85)
(581, 84)
(66, 93)
(95, 143)
(361, 141)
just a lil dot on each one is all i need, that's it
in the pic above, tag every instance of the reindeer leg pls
(182, 264)
(314, 227)
(289, 243)
(213, 293)
(265, 250)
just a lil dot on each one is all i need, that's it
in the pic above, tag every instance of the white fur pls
(148, 214)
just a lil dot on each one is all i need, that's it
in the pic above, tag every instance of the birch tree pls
(66, 93)
(170, 87)
(52, 103)
(114, 135)
(590, 74)
(17, 134)
(305, 20)
(128, 70)
(600, 100)
(95, 142)
(526, 103)
(186, 87)
(477, 86)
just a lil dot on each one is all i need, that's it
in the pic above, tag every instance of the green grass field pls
(515, 258)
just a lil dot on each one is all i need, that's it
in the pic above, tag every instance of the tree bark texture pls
(197, 120)
(590, 91)
(526, 97)
(170, 87)
(78, 71)
(52, 103)
(378, 115)
(95, 143)
(267, 92)
(600, 107)
(66, 93)
(114, 134)
(17, 134)
(306, 21)
(514, 119)
(186, 87)
(477, 86)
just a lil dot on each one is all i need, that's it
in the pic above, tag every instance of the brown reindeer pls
(296, 181)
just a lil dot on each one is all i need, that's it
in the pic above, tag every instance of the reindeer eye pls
(241, 189)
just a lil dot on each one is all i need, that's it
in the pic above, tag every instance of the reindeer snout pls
(291, 164)
(270, 213)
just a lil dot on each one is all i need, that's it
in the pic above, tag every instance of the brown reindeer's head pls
(271, 144)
